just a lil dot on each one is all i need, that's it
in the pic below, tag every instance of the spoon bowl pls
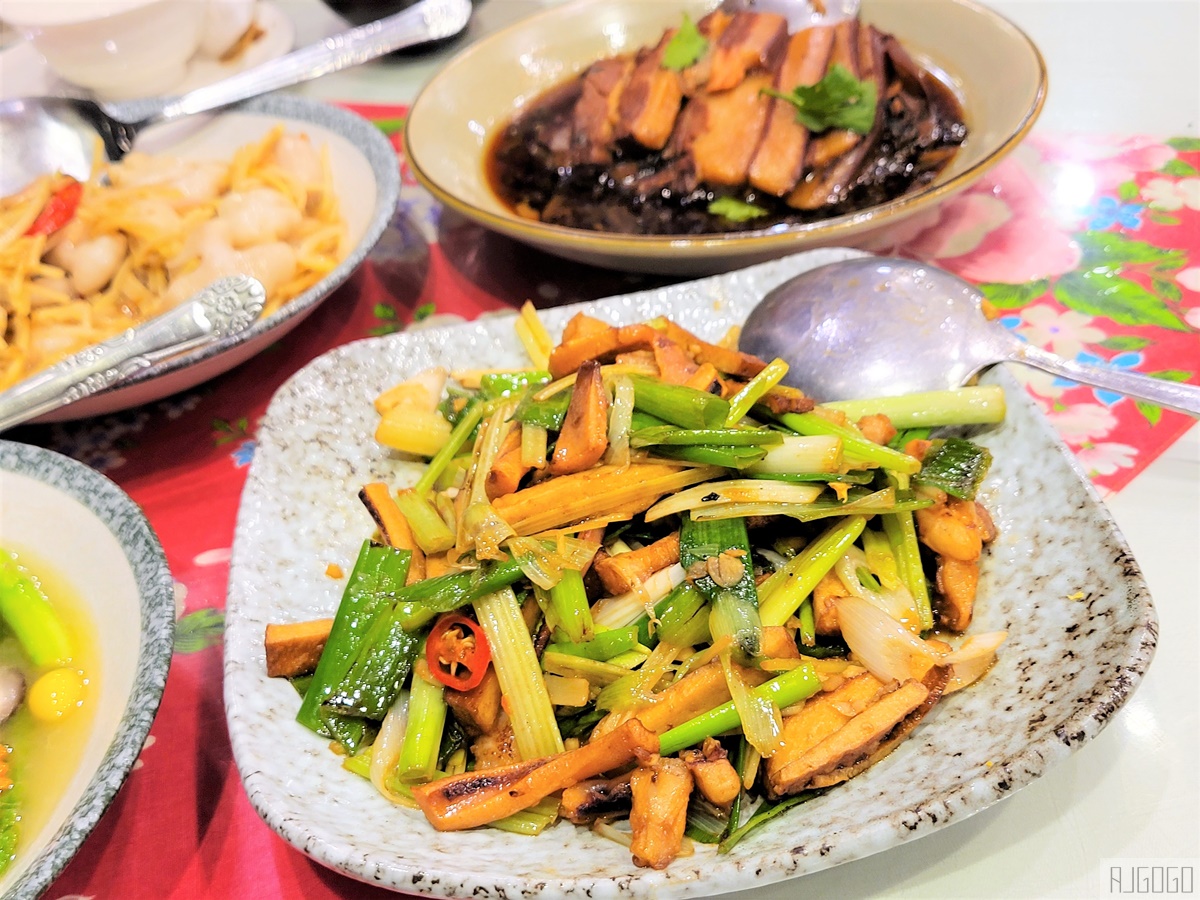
(58, 134)
(876, 327)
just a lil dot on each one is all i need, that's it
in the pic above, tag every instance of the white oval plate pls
(98, 541)
(1059, 578)
(366, 177)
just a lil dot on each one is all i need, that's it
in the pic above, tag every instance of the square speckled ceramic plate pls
(1059, 578)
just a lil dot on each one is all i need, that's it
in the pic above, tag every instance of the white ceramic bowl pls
(366, 177)
(994, 68)
(1059, 578)
(99, 543)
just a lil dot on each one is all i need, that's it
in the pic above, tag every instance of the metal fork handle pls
(1184, 398)
(222, 309)
(425, 21)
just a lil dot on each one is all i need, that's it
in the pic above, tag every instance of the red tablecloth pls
(1090, 247)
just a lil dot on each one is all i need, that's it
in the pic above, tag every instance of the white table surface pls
(1132, 796)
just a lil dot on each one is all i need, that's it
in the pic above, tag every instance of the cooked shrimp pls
(295, 154)
(90, 264)
(197, 181)
(272, 263)
(258, 216)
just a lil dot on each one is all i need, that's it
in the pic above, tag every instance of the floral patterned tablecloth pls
(1089, 246)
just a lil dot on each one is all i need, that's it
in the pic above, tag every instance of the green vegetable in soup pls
(30, 617)
(10, 819)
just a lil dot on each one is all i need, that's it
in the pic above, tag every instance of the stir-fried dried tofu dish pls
(81, 262)
(643, 586)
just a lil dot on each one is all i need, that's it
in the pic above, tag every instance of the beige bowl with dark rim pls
(993, 67)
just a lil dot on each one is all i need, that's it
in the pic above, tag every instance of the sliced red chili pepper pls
(457, 652)
(59, 209)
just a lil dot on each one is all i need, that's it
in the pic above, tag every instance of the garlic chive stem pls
(977, 405)
(741, 402)
(782, 593)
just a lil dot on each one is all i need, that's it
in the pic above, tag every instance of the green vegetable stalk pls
(673, 612)
(854, 445)
(463, 429)
(723, 546)
(678, 404)
(500, 385)
(956, 466)
(728, 457)
(429, 529)
(721, 437)
(784, 591)
(603, 646)
(901, 532)
(377, 576)
(418, 604)
(548, 414)
(791, 687)
(30, 617)
(977, 405)
(741, 402)
(423, 730)
(570, 604)
(380, 669)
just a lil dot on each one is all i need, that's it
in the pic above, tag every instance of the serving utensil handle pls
(1184, 398)
(428, 20)
(222, 309)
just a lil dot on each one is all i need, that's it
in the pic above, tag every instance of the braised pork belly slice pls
(597, 110)
(733, 124)
(649, 104)
(712, 27)
(779, 161)
(831, 184)
(826, 151)
(751, 41)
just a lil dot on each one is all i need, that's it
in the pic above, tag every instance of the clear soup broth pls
(43, 756)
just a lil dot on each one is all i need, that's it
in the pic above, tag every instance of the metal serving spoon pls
(799, 13)
(49, 134)
(882, 327)
(221, 310)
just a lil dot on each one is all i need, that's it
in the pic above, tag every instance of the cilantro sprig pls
(839, 100)
(735, 210)
(685, 47)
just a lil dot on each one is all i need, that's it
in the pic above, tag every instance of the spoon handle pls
(425, 21)
(223, 308)
(1184, 398)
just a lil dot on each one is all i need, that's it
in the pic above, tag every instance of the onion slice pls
(972, 659)
(892, 652)
(889, 650)
(386, 749)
